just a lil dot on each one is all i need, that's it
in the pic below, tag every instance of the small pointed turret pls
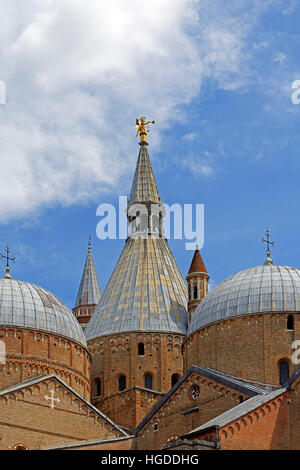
(89, 292)
(197, 280)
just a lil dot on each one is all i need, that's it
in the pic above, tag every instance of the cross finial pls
(8, 259)
(268, 260)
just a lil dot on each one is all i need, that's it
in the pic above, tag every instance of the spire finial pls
(143, 128)
(6, 256)
(90, 245)
(268, 260)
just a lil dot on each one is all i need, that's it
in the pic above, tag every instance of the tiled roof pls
(197, 264)
(90, 443)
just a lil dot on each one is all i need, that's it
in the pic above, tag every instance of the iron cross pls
(7, 256)
(52, 392)
(267, 241)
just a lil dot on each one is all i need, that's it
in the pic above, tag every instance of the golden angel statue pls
(143, 128)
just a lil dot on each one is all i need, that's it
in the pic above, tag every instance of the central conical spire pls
(144, 187)
(146, 291)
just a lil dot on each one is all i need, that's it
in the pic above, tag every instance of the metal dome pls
(146, 292)
(262, 289)
(29, 306)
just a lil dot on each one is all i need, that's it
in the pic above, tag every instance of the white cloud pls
(199, 165)
(279, 57)
(190, 136)
(75, 72)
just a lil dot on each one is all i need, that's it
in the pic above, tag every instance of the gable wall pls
(26, 417)
(214, 399)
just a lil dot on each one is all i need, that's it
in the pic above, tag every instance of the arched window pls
(148, 381)
(122, 383)
(98, 386)
(284, 372)
(141, 349)
(290, 322)
(174, 379)
(241, 399)
(20, 447)
(190, 291)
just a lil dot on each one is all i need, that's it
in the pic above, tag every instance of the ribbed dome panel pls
(29, 306)
(146, 292)
(261, 289)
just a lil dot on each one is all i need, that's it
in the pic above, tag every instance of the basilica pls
(157, 360)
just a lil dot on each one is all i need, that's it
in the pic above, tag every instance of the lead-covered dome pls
(25, 305)
(262, 289)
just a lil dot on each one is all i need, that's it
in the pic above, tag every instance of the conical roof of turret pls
(89, 292)
(197, 264)
(146, 291)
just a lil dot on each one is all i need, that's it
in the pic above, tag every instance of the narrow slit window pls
(284, 372)
(290, 322)
(174, 379)
(122, 383)
(98, 387)
(148, 381)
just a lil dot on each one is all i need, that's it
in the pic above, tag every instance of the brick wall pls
(117, 355)
(249, 347)
(181, 413)
(130, 407)
(27, 418)
(31, 353)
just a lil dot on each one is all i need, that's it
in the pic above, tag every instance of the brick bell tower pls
(137, 329)
(197, 280)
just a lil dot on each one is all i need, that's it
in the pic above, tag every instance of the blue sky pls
(218, 81)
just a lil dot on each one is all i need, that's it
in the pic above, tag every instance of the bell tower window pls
(195, 292)
(141, 349)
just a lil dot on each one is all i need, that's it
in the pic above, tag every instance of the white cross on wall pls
(52, 392)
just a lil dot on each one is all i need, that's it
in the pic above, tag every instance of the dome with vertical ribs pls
(28, 306)
(261, 289)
